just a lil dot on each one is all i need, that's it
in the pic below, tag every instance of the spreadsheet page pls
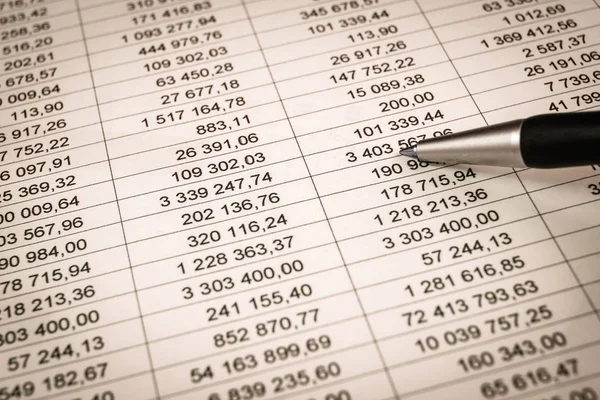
(205, 199)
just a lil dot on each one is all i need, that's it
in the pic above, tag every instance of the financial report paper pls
(205, 199)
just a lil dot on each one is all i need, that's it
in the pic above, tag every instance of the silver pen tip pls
(409, 152)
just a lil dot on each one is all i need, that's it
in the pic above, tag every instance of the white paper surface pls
(205, 200)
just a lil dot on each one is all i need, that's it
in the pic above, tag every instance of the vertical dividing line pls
(449, 59)
(385, 367)
(87, 54)
(565, 259)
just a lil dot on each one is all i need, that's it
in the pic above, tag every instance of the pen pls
(541, 141)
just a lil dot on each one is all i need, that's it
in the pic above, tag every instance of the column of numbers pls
(518, 59)
(235, 266)
(63, 263)
(398, 217)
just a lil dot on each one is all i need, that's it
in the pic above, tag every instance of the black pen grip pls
(561, 140)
